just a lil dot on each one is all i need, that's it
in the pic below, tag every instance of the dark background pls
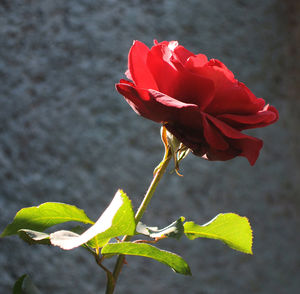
(66, 135)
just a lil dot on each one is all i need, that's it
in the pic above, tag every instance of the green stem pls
(109, 275)
(158, 173)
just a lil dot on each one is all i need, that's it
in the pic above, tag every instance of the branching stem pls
(158, 173)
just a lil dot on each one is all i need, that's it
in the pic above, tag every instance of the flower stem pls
(157, 177)
(158, 173)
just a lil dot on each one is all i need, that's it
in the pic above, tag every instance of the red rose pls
(198, 100)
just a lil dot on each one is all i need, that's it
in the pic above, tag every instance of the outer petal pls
(231, 96)
(214, 140)
(242, 144)
(213, 136)
(191, 137)
(262, 118)
(154, 105)
(122, 81)
(137, 67)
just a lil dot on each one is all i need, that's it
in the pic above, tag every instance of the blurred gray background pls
(66, 135)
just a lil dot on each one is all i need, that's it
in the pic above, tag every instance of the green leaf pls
(24, 285)
(174, 230)
(98, 241)
(65, 236)
(173, 260)
(18, 285)
(232, 229)
(34, 237)
(116, 220)
(95, 242)
(46, 215)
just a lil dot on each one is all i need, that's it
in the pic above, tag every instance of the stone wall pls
(66, 135)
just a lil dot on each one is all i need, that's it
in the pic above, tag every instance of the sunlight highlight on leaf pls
(117, 220)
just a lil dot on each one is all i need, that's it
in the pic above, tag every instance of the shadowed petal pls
(262, 118)
(152, 104)
(231, 96)
(213, 136)
(247, 146)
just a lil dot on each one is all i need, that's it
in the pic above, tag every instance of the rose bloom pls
(198, 100)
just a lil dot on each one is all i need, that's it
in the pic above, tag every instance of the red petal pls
(242, 122)
(196, 61)
(218, 64)
(138, 70)
(213, 154)
(213, 136)
(182, 54)
(190, 137)
(247, 146)
(154, 105)
(162, 69)
(122, 81)
(231, 96)
(178, 82)
(193, 88)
